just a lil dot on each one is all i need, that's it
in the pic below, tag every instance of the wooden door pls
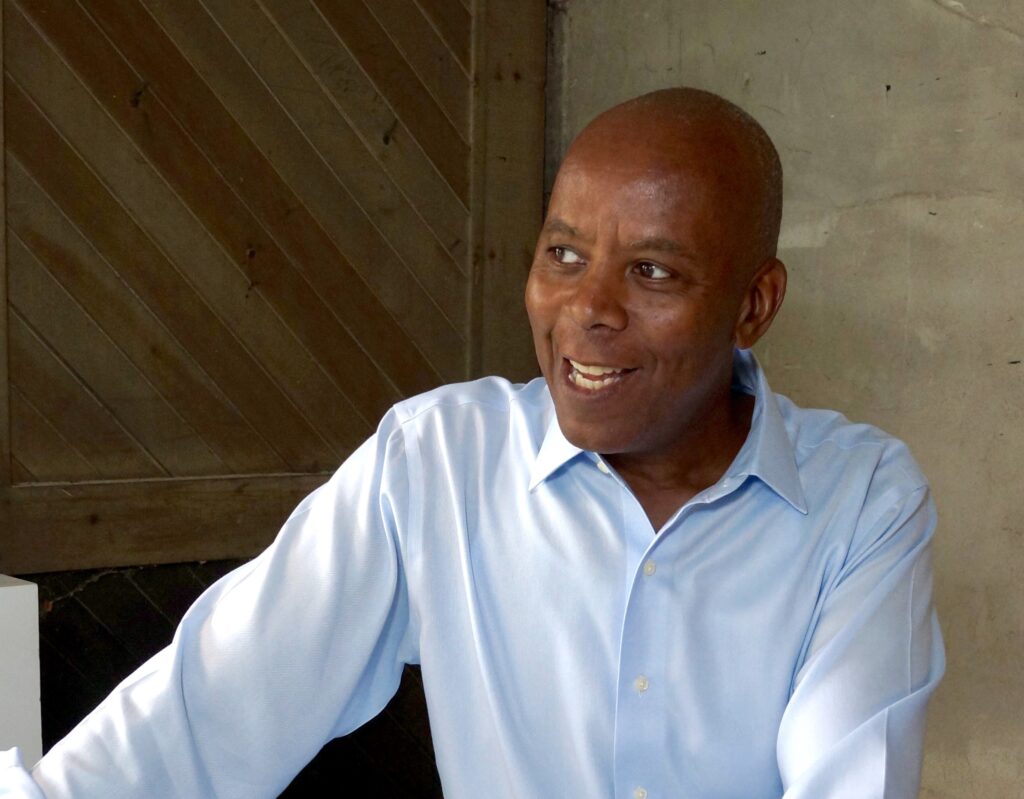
(234, 234)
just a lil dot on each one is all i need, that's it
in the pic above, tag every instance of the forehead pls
(640, 194)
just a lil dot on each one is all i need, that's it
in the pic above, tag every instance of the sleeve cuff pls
(15, 782)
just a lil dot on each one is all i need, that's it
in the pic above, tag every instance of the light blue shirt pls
(775, 638)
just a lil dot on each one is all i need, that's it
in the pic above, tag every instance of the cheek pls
(684, 344)
(539, 314)
(541, 305)
(694, 323)
(532, 306)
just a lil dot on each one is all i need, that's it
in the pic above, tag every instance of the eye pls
(565, 256)
(651, 271)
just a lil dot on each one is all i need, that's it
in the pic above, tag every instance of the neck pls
(663, 481)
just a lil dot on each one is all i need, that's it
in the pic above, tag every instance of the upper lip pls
(595, 368)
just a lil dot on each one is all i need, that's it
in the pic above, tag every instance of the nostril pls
(592, 307)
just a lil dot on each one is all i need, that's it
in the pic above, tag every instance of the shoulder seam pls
(878, 442)
(433, 406)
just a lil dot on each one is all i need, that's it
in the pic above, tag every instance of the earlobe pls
(762, 300)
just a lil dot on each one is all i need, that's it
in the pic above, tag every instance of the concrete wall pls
(901, 129)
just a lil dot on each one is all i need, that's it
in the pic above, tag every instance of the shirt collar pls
(555, 451)
(766, 454)
(768, 451)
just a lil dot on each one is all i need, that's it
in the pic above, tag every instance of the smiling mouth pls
(593, 377)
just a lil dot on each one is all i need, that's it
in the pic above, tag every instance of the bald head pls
(686, 129)
(655, 262)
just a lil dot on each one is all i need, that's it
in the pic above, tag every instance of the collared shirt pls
(775, 638)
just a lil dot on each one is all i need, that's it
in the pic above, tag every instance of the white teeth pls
(593, 370)
(606, 374)
(583, 382)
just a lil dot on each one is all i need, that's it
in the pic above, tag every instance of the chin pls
(593, 438)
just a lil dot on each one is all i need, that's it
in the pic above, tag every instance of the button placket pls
(639, 704)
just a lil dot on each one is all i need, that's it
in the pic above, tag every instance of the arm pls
(15, 783)
(854, 726)
(303, 644)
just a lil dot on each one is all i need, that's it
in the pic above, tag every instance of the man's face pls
(634, 294)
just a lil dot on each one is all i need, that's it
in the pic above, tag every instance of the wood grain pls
(7, 472)
(369, 44)
(453, 22)
(447, 80)
(382, 132)
(509, 102)
(61, 322)
(41, 447)
(224, 214)
(347, 191)
(86, 525)
(152, 276)
(220, 280)
(66, 401)
(50, 238)
(234, 150)
(236, 234)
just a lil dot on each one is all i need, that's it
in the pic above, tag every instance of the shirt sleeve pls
(303, 644)
(854, 726)
(15, 783)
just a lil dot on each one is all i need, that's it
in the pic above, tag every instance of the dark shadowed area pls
(97, 626)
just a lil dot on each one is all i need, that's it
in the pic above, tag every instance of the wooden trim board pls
(5, 391)
(508, 180)
(65, 526)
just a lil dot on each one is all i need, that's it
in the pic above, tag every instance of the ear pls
(761, 301)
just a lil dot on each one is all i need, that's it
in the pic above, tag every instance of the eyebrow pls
(651, 244)
(556, 225)
(660, 245)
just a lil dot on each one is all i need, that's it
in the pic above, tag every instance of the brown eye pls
(652, 271)
(565, 256)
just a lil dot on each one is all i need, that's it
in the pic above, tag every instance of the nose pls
(598, 301)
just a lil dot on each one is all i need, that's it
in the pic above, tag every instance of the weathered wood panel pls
(73, 409)
(125, 522)
(430, 58)
(360, 33)
(56, 317)
(510, 135)
(9, 468)
(235, 234)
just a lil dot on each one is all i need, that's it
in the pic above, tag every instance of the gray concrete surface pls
(901, 129)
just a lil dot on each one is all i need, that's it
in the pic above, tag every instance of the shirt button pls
(641, 683)
(650, 567)
(603, 467)
(639, 793)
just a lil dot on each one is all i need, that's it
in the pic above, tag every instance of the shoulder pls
(826, 438)
(449, 429)
(487, 394)
(484, 405)
(861, 484)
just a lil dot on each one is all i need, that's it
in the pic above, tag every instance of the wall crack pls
(960, 10)
(922, 195)
(46, 606)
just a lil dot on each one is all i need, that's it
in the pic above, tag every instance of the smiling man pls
(644, 576)
(656, 260)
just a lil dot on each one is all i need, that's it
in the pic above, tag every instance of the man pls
(644, 576)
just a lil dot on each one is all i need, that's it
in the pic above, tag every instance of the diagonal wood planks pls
(234, 233)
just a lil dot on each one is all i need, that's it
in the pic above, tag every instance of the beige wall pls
(901, 129)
